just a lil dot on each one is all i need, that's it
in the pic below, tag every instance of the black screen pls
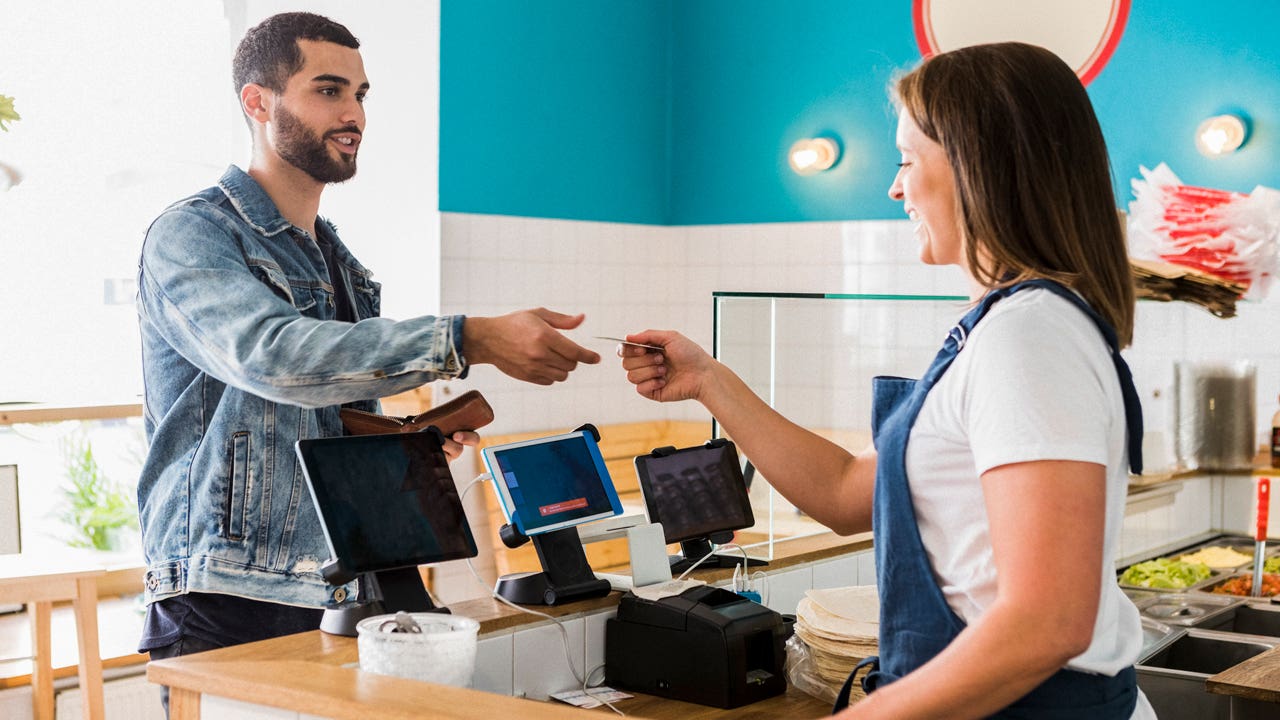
(387, 501)
(695, 492)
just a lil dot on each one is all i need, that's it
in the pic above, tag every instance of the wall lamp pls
(1221, 135)
(813, 155)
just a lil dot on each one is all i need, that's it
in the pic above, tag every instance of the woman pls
(997, 484)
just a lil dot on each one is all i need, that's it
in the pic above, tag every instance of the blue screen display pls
(557, 483)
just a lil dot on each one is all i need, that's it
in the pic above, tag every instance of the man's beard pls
(309, 152)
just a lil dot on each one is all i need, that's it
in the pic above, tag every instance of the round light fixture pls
(1220, 135)
(813, 155)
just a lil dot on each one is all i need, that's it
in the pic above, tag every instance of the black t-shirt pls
(341, 294)
(222, 620)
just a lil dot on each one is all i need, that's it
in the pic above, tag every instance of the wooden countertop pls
(1261, 466)
(1257, 678)
(317, 673)
(496, 617)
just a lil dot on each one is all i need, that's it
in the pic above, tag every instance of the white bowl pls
(444, 652)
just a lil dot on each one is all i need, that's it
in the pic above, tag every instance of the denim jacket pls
(242, 358)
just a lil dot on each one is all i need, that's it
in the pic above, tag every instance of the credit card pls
(628, 342)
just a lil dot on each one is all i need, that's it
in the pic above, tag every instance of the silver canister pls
(1214, 415)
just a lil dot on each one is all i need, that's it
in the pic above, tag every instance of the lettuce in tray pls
(1164, 573)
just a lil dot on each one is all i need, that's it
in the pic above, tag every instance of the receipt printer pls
(705, 645)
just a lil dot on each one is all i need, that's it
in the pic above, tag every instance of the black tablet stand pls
(566, 575)
(692, 550)
(381, 592)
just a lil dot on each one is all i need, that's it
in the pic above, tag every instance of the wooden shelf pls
(11, 413)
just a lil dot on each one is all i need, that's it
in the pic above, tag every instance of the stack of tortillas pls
(841, 626)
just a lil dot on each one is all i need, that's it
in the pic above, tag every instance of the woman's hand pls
(680, 371)
(454, 444)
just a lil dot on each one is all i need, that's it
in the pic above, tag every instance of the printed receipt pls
(594, 697)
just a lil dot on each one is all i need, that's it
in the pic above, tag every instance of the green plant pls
(7, 113)
(94, 504)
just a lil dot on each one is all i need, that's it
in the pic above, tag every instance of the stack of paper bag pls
(841, 626)
(1155, 280)
(1232, 236)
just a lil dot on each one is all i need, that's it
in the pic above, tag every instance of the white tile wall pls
(595, 631)
(1240, 506)
(837, 573)
(631, 277)
(867, 568)
(495, 655)
(783, 590)
(1167, 517)
(542, 662)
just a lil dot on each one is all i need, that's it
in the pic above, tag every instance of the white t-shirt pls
(1034, 381)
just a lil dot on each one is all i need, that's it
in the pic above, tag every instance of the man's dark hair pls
(269, 54)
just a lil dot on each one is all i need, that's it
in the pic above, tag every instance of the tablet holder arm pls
(381, 592)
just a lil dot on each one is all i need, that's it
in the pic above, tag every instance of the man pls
(257, 324)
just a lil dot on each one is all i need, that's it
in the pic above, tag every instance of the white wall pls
(630, 277)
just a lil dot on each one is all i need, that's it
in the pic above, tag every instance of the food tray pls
(1139, 595)
(1238, 543)
(1208, 587)
(1214, 577)
(1186, 609)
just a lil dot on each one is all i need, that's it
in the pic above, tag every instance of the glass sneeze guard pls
(811, 357)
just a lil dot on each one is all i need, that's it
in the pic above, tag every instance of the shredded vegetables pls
(1165, 573)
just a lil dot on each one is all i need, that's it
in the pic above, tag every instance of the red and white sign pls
(1084, 33)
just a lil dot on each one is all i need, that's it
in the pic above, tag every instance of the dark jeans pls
(184, 646)
(206, 621)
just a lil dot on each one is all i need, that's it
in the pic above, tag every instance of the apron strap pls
(846, 690)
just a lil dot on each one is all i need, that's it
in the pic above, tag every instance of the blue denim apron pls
(915, 621)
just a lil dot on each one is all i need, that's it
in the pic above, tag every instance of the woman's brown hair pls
(1033, 181)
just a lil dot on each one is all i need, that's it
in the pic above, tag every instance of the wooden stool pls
(39, 585)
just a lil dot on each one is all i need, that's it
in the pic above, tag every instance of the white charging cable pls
(564, 632)
(706, 557)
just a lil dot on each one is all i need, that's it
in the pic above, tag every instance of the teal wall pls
(555, 108)
(680, 112)
(1179, 62)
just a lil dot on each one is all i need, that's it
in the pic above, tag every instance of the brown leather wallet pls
(468, 411)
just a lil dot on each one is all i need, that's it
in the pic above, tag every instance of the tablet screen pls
(695, 492)
(386, 501)
(553, 482)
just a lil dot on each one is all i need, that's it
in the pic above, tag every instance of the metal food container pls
(1187, 608)
(1214, 577)
(1214, 415)
(1211, 585)
(1240, 544)
(1249, 618)
(1172, 675)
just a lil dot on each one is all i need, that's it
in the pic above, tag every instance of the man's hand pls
(454, 444)
(526, 345)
